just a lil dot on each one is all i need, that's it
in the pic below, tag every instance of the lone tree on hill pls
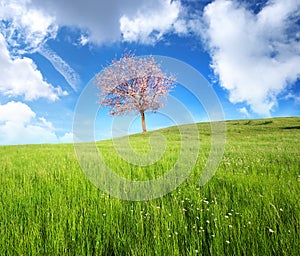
(133, 84)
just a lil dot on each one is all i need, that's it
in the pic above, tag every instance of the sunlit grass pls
(250, 207)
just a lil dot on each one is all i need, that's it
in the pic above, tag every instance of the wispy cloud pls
(61, 66)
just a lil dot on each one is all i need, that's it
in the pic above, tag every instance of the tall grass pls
(250, 207)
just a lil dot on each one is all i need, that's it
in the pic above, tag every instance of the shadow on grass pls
(291, 127)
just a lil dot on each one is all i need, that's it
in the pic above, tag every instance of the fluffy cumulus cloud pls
(22, 78)
(111, 21)
(98, 18)
(19, 124)
(149, 24)
(33, 22)
(255, 55)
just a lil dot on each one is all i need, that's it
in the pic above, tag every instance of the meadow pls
(250, 207)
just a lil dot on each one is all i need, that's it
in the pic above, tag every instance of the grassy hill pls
(250, 206)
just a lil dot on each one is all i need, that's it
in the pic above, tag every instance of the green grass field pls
(250, 207)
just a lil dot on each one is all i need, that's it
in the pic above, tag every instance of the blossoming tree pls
(133, 84)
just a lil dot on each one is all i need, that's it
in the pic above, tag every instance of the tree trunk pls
(143, 121)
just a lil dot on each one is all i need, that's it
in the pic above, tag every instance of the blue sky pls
(249, 51)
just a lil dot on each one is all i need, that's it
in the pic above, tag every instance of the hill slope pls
(250, 206)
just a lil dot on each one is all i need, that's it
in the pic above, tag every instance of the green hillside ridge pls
(250, 207)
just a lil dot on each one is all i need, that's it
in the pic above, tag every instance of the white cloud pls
(46, 123)
(256, 56)
(37, 21)
(83, 40)
(20, 125)
(149, 25)
(244, 111)
(106, 21)
(98, 18)
(180, 26)
(66, 138)
(61, 66)
(22, 78)
(25, 28)
(16, 112)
